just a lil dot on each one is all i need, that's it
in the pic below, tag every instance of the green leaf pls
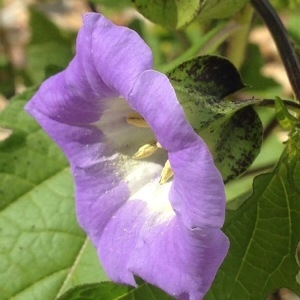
(43, 30)
(7, 79)
(231, 129)
(48, 46)
(169, 13)
(284, 4)
(115, 4)
(219, 9)
(113, 291)
(40, 56)
(177, 13)
(43, 251)
(103, 290)
(264, 234)
(285, 119)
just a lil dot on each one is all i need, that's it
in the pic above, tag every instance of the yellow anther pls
(146, 150)
(166, 173)
(136, 120)
(159, 145)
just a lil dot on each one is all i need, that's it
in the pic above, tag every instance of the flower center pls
(148, 149)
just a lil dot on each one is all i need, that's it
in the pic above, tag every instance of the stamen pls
(146, 150)
(136, 120)
(166, 173)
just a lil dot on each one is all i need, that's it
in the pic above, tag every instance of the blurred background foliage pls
(37, 39)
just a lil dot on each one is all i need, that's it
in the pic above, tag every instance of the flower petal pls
(121, 58)
(196, 176)
(167, 234)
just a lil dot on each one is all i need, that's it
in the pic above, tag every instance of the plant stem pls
(285, 49)
(238, 42)
(269, 128)
(291, 105)
(206, 45)
(92, 6)
(259, 170)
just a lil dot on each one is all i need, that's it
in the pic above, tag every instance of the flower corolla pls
(167, 234)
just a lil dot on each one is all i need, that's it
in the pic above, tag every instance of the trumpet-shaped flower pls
(167, 234)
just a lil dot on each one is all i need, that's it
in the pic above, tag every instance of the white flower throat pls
(148, 149)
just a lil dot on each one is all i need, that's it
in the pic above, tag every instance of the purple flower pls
(167, 234)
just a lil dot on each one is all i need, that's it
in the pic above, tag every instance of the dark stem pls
(269, 128)
(276, 296)
(291, 105)
(285, 49)
(259, 170)
(92, 6)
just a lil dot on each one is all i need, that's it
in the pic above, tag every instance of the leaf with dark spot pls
(231, 129)
(178, 13)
